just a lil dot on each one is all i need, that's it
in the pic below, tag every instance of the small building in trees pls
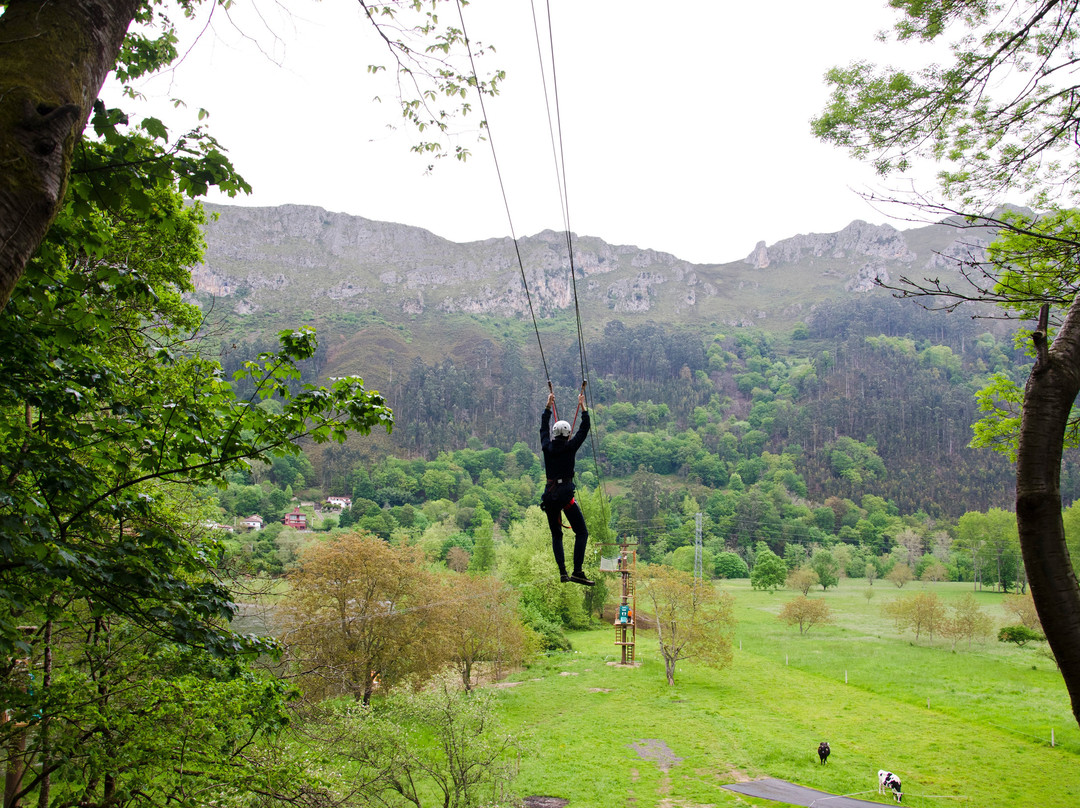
(253, 522)
(296, 518)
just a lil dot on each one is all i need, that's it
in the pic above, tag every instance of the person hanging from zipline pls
(558, 497)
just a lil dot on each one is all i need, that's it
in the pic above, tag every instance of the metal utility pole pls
(697, 546)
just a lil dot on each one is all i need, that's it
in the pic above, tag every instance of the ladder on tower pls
(626, 617)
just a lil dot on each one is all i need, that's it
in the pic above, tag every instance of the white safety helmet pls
(560, 430)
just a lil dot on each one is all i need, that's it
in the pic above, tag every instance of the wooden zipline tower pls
(626, 618)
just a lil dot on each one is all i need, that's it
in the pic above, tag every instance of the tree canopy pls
(693, 619)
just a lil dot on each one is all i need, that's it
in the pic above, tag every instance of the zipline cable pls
(502, 188)
(561, 179)
(560, 169)
(559, 159)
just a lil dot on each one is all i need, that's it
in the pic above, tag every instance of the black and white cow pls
(823, 751)
(889, 780)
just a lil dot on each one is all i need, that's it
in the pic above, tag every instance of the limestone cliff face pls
(302, 257)
(311, 254)
(857, 239)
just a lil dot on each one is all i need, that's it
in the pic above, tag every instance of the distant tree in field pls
(480, 622)
(457, 559)
(805, 612)
(356, 614)
(730, 565)
(966, 621)
(930, 614)
(1022, 607)
(935, 571)
(769, 571)
(826, 567)
(1020, 635)
(871, 572)
(1003, 543)
(693, 620)
(922, 613)
(802, 579)
(868, 593)
(899, 575)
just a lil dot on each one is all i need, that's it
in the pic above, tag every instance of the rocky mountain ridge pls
(303, 257)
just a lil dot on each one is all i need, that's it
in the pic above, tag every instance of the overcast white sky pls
(685, 126)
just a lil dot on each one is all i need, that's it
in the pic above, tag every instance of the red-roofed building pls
(296, 519)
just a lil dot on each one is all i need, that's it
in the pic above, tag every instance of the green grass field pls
(600, 735)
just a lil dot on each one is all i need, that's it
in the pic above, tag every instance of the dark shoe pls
(578, 577)
(564, 578)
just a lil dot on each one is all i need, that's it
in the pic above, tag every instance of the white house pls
(255, 522)
(339, 502)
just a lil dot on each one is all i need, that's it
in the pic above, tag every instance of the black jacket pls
(559, 458)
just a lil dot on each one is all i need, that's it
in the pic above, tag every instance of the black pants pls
(581, 534)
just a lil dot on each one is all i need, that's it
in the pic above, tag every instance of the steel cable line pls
(502, 188)
(559, 160)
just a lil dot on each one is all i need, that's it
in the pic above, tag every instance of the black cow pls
(891, 781)
(823, 752)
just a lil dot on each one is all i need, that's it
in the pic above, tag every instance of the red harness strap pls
(564, 507)
(573, 425)
(555, 410)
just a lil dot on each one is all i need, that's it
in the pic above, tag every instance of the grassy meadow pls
(968, 728)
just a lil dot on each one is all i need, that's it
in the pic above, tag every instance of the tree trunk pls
(45, 784)
(54, 57)
(1048, 398)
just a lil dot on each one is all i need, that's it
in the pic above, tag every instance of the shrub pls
(805, 612)
(550, 633)
(802, 579)
(730, 565)
(769, 571)
(899, 575)
(1021, 635)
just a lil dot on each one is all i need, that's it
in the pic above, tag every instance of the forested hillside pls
(807, 356)
(844, 423)
(694, 402)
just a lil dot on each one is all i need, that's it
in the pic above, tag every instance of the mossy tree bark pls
(54, 57)
(1048, 399)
